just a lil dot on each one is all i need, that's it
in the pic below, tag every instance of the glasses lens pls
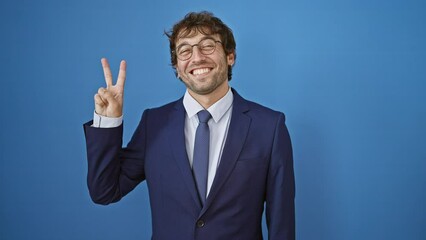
(184, 52)
(207, 46)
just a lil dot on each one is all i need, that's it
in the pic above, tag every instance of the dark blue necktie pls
(200, 164)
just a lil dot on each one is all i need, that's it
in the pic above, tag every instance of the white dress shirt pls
(218, 124)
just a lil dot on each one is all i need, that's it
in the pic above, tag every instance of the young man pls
(211, 159)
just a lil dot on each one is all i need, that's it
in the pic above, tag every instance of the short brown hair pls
(205, 23)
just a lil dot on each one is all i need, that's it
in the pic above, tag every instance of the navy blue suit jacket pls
(256, 168)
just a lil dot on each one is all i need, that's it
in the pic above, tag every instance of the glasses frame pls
(199, 48)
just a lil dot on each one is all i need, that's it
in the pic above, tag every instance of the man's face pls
(204, 74)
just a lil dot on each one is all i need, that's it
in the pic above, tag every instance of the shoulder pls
(256, 110)
(166, 108)
(263, 110)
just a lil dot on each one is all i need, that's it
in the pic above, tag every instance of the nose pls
(196, 54)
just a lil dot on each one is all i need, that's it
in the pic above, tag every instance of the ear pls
(178, 75)
(176, 72)
(230, 59)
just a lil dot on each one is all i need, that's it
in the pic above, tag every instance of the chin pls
(202, 91)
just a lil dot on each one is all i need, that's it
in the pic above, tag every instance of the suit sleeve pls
(280, 212)
(114, 171)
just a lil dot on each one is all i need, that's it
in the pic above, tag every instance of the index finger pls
(107, 72)
(122, 74)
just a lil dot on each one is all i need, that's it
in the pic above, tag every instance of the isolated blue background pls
(350, 76)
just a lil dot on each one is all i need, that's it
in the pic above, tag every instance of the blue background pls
(350, 76)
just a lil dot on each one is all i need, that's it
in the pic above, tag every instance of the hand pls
(109, 100)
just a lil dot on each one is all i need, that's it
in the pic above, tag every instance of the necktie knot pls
(204, 116)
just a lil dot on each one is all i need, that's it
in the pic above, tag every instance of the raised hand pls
(109, 100)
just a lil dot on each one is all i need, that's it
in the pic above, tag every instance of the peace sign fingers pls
(109, 100)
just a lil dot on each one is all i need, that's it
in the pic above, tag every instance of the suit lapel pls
(236, 137)
(176, 125)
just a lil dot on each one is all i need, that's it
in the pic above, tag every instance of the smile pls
(200, 71)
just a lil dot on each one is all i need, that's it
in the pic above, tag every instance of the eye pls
(184, 50)
(207, 45)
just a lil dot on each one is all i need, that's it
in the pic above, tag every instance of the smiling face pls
(204, 75)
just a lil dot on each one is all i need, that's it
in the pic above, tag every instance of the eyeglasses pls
(206, 47)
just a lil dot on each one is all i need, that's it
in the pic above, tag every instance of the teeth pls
(200, 71)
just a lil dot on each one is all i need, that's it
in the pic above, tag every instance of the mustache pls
(199, 63)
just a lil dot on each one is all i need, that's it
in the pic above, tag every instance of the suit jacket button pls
(200, 223)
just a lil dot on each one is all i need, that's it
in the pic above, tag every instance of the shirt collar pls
(217, 110)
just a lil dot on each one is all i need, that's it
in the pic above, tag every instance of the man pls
(212, 160)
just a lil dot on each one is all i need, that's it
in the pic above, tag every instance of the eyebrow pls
(203, 38)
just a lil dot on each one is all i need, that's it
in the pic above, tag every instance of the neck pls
(208, 100)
